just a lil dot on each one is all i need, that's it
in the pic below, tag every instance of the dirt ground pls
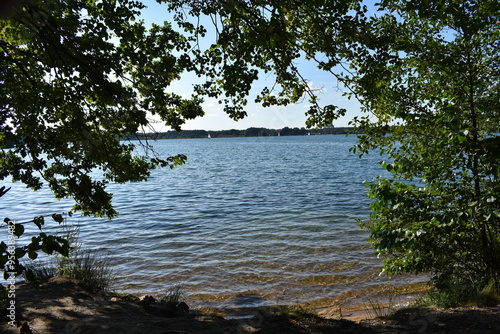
(64, 306)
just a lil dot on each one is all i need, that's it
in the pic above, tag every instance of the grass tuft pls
(173, 294)
(90, 267)
(459, 295)
(42, 269)
(380, 310)
(295, 311)
(171, 302)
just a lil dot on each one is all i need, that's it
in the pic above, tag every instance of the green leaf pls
(19, 253)
(32, 255)
(18, 230)
(39, 221)
(58, 218)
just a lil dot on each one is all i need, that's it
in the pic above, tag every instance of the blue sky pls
(258, 116)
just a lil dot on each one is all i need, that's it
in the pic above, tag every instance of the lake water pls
(245, 222)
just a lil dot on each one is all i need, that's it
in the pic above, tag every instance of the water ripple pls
(270, 217)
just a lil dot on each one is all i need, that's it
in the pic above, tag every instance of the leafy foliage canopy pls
(426, 73)
(76, 77)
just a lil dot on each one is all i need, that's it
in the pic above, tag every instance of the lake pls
(245, 222)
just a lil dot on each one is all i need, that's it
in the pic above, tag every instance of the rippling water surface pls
(245, 222)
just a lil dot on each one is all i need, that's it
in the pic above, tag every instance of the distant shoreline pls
(250, 132)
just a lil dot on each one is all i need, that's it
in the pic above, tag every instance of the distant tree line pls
(250, 132)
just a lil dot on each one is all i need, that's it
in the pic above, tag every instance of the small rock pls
(169, 309)
(147, 300)
(130, 298)
(183, 308)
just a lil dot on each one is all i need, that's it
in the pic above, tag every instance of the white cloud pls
(316, 90)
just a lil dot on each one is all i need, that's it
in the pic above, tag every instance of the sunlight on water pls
(246, 221)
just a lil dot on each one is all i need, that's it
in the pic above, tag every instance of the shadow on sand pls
(65, 306)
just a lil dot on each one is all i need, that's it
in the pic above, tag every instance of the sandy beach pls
(63, 305)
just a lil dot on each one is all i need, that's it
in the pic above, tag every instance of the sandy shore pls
(66, 306)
